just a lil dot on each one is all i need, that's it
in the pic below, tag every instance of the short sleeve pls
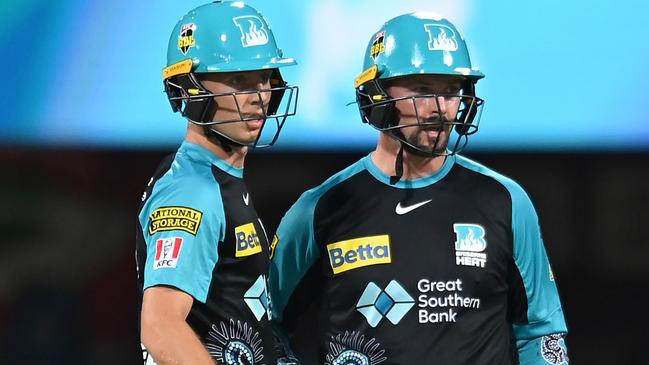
(182, 222)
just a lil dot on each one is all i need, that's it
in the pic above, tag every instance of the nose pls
(261, 98)
(431, 107)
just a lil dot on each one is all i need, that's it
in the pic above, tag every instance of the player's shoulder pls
(512, 186)
(309, 198)
(186, 183)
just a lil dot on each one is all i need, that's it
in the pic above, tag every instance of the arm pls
(293, 254)
(538, 324)
(164, 331)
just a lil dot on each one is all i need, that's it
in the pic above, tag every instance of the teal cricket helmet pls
(223, 36)
(414, 44)
(419, 43)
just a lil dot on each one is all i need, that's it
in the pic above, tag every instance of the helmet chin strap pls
(398, 163)
(398, 166)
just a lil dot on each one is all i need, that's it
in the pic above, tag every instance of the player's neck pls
(414, 166)
(235, 156)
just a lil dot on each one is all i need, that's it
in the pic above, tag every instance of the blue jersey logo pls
(469, 237)
(393, 303)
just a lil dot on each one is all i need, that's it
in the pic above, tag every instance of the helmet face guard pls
(418, 44)
(188, 96)
(224, 36)
(379, 110)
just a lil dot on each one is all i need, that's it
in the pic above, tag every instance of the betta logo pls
(359, 252)
(247, 240)
(253, 31)
(186, 38)
(441, 38)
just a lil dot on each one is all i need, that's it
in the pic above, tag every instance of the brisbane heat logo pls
(253, 31)
(470, 244)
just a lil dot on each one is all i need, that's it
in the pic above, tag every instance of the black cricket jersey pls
(198, 231)
(446, 269)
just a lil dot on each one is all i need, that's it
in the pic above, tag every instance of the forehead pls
(425, 79)
(220, 76)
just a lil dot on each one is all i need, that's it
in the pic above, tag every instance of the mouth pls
(255, 123)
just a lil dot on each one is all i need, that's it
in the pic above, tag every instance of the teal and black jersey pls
(199, 232)
(446, 269)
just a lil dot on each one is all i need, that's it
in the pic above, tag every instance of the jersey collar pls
(409, 184)
(199, 153)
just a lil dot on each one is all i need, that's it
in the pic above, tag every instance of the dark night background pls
(67, 272)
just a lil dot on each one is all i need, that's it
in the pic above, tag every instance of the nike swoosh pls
(245, 198)
(407, 209)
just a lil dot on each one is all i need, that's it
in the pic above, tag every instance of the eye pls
(422, 89)
(265, 78)
(452, 89)
(237, 80)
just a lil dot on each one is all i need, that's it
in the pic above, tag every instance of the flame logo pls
(441, 38)
(253, 32)
(467, 239)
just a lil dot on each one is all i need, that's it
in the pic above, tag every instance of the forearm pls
(174, 342)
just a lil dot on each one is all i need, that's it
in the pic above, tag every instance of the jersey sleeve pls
(539, 327)
(182, 224)
(293, 252)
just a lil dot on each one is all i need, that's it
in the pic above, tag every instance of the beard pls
(432, 139)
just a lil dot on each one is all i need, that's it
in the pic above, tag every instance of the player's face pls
(438, 111)
(251, 106)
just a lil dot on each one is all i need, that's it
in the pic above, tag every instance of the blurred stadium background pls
(85, 121)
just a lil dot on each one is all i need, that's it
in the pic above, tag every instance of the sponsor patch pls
(167, 252)
(248, 242)
(273, 245)
(392, 303)
(359, 252)
(175, 219)
(470, 244)
(186, 38)
(378, 45)
(181, 67)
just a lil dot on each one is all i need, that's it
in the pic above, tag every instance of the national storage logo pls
(175, 219)
(247, 240)
(359, 252)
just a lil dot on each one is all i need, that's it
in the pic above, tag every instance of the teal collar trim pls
(199, 153)
(409, 184)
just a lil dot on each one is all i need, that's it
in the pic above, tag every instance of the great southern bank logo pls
(393, 303)
(359, 252)
(470, 243)
(257, 298)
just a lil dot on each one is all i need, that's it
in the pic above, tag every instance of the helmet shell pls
(225, 36)
(419, 43)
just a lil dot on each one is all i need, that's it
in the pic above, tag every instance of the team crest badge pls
(253, 31)
(186, 38)
(470, 244)
(378, 46)
(441, 38)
